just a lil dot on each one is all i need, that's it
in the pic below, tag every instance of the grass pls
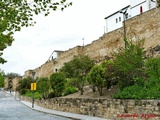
(36, 94)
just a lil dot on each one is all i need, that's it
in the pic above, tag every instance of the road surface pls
(11, 109)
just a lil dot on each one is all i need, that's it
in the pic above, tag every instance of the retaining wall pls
(105, 108)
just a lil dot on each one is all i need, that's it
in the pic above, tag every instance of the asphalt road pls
(11, 109)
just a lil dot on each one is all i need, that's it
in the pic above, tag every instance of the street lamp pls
(124, 23)
(33, 87)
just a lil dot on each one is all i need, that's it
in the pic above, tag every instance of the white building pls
(136, 7)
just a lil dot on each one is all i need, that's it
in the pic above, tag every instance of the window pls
(119, 19)
(141, 10)
(116, 20)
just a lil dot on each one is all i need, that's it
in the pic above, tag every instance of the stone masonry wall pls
(45, 70)
(49, 67)
(66, 56)
(15, 82)
(105, 45)
(106, 108)
(145, 26)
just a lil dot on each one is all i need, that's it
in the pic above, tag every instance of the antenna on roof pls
(83, 41)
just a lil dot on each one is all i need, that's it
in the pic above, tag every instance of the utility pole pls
(124, 25)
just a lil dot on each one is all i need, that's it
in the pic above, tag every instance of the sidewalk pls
(58, 113)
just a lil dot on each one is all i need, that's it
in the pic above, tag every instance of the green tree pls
(16, 14)
(43, 86)
(58, 81)
(2, 76)
(152, 66)
(97, 76)
(24, 85)
(77, 69)
(129, 62)
(12, 75)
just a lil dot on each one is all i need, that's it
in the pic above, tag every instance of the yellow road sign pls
(33, 86)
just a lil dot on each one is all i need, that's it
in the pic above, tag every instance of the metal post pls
(124, 25)
(33, 73)
(124, 17)
(33, 98)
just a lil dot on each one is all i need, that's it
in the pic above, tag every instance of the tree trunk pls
(81, 90)
(94, 88)
(100, 89)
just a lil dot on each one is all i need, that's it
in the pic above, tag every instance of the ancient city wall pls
(6, 81)
(145, 26)
(28, 73)
(45, 70)
(54, 65)
(66, 56)
(106, 108)
(105, 45)
(15, 82)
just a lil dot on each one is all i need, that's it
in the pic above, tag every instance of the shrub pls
(97, 76)
(24, 85)
(57, 81)
(69, 90)
(77, 70)
(30, 94)
(152, 66)
(51, 95)
(149, 90)
(129, 62)
(43, 86)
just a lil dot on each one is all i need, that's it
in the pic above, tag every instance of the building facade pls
(136, 7)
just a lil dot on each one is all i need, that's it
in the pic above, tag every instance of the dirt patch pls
(88, 93)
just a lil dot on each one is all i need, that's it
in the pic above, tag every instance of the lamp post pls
(32, 88)
(124, 23)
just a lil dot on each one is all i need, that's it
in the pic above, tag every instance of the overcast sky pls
(59, 31)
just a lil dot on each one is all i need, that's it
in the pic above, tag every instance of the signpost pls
(33, 88)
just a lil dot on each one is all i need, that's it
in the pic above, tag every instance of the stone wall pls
(28, 73)
(105, 108)
(144, 26)
(54, 65)
(15, 82)
(105, 45)
(6, 83)
(45, 70)
(66, 56)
